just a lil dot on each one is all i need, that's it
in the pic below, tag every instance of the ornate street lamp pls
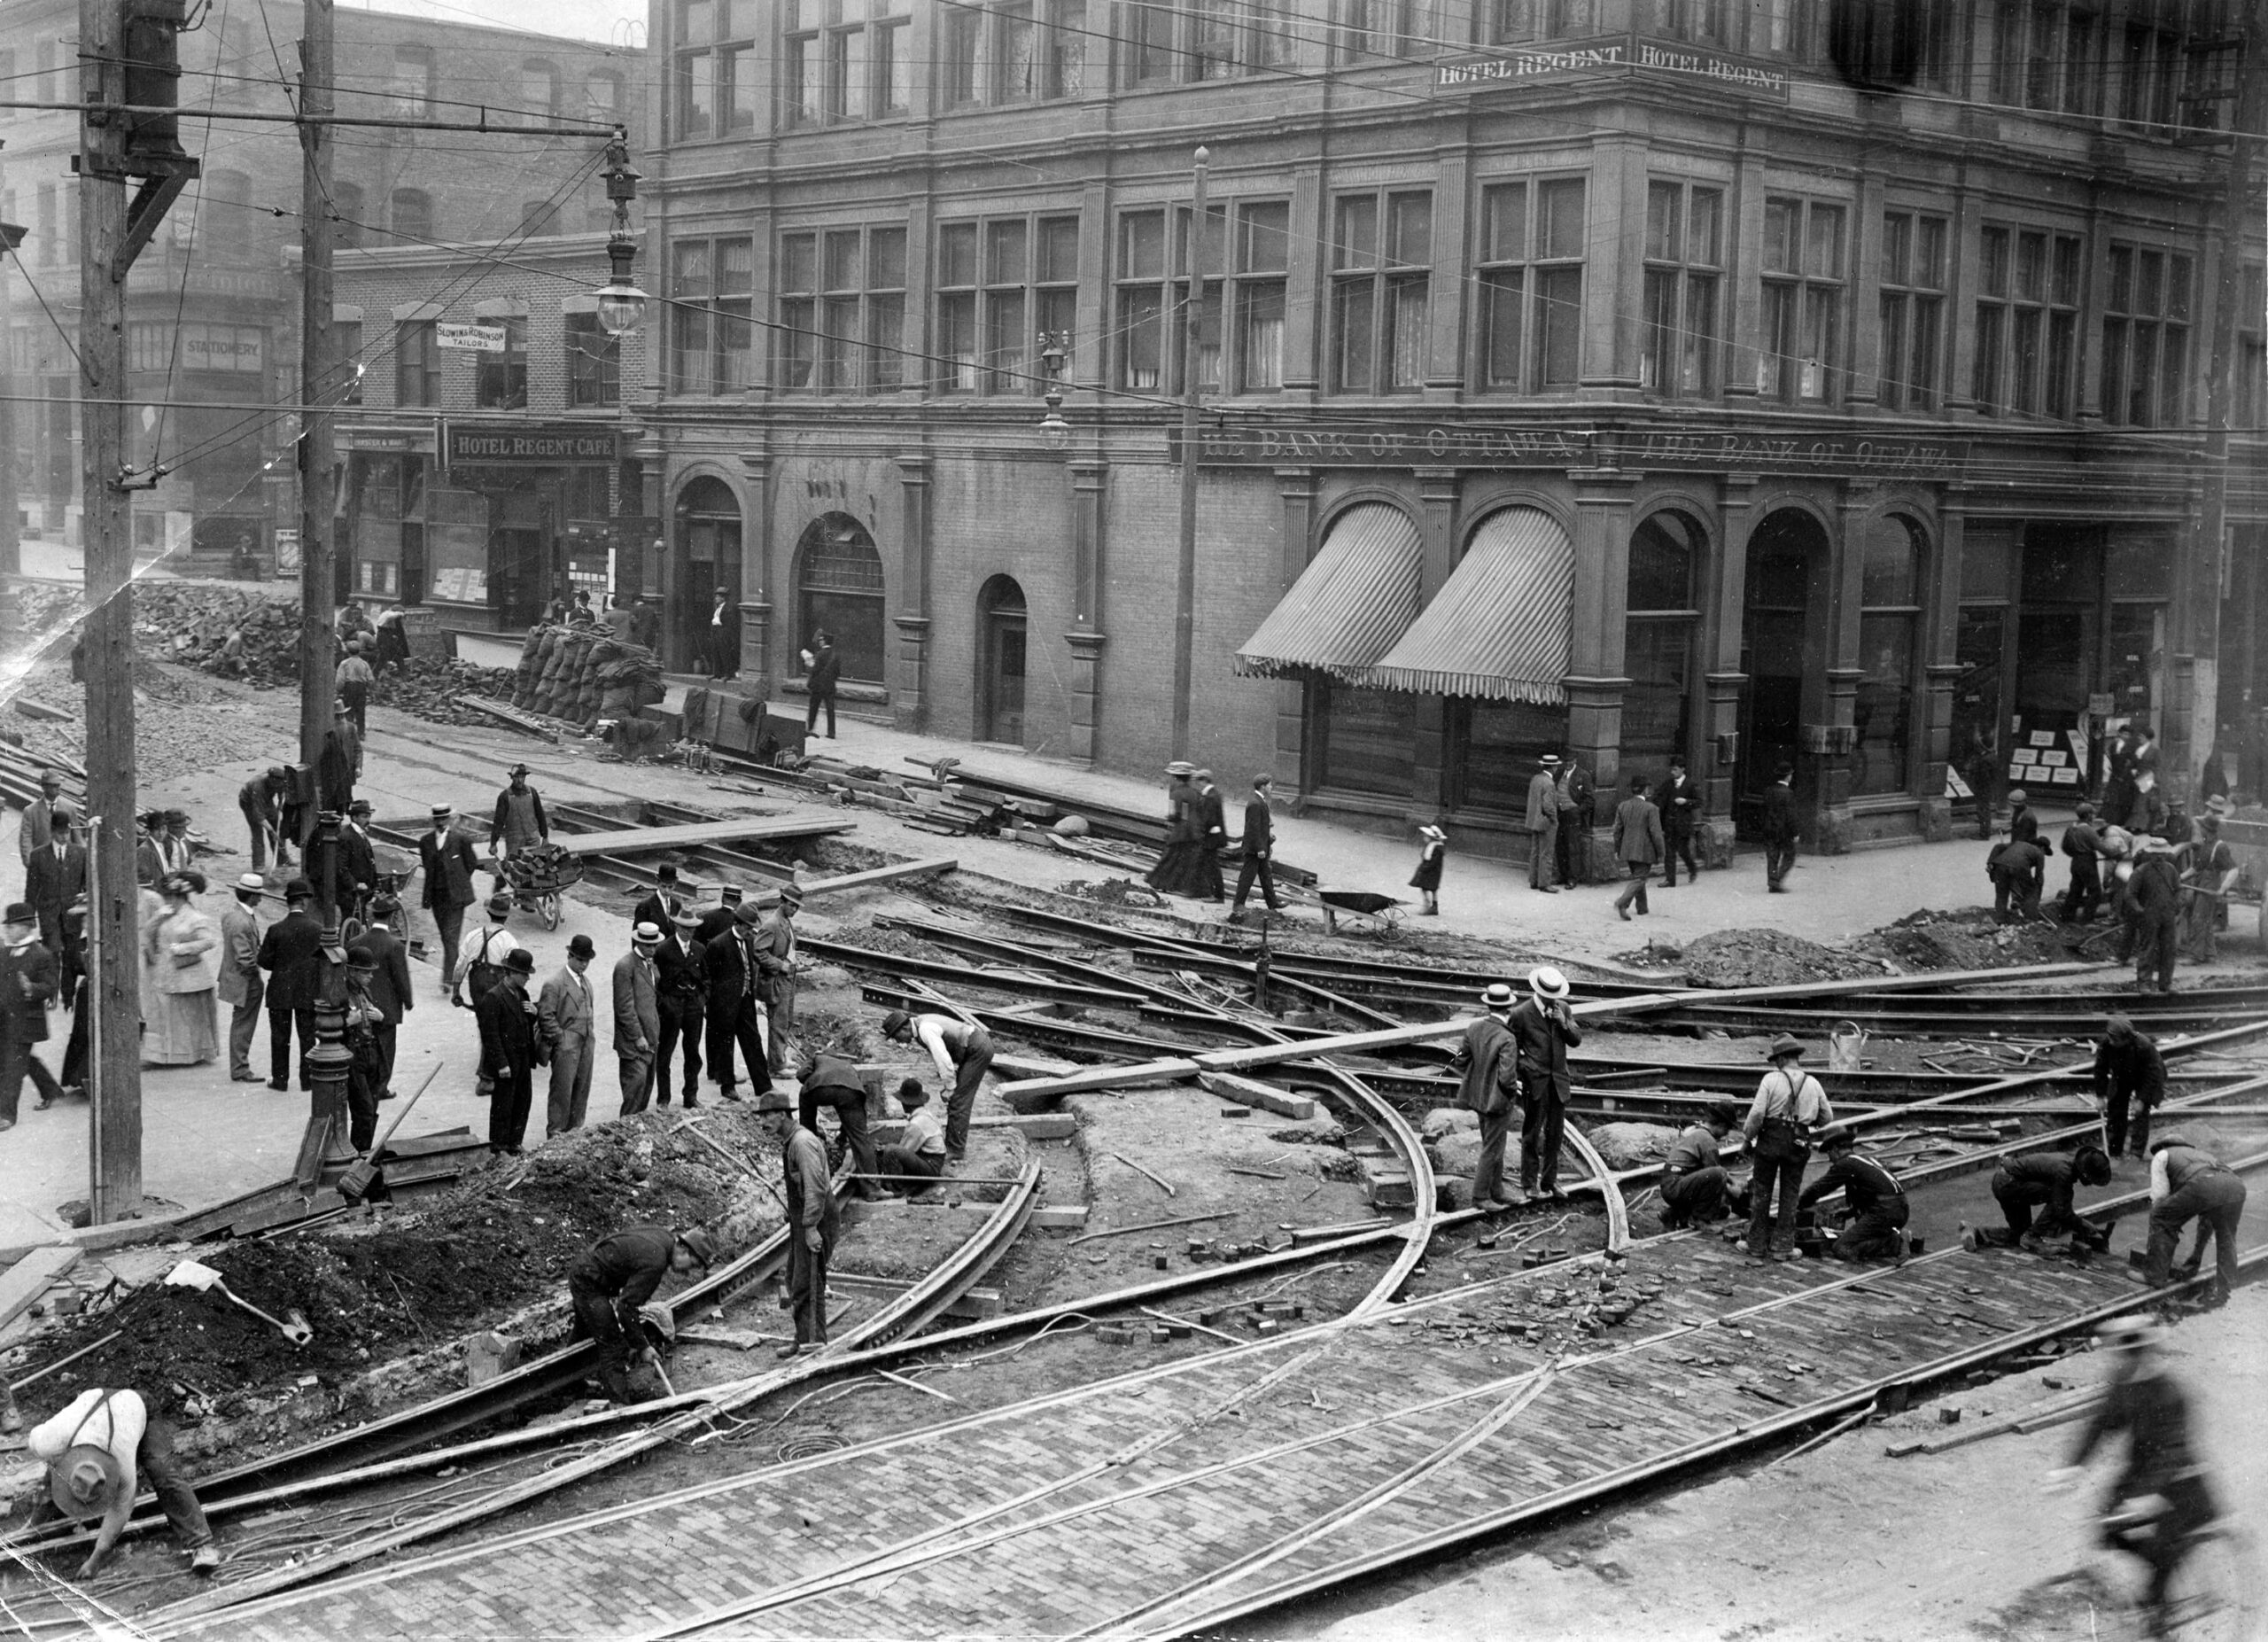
(622, 306)
(1054, 431)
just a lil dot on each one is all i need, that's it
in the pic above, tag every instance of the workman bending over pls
(813, 1220)
(2045, 1181)
(830, 1080)
(97, 1449)
(2189, 1183)
(962, 1051)
(614, 1278)
(1693, 1177)
(1874, 1196)
(2128, 1066)
(920, 1153)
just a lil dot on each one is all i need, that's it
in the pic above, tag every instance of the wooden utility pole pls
(106, 536)
(318, 666)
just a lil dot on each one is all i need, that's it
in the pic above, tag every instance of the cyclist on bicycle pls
(2159, 1501)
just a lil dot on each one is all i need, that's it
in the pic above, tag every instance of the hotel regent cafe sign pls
(526, 444)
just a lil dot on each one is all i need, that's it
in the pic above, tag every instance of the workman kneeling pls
(919, 1152)
(2045, 1181)
(1693, 1178)
(615, 1278)
(830, 1080)
(1873, 1194)
(96, 1451)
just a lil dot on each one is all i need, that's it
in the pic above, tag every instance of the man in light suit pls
(637, 1017)
(565, 1017)
(241, 986)
(38, 825)
(1543, 825)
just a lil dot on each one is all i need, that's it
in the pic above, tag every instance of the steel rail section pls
(921, 1304)
(961, 975)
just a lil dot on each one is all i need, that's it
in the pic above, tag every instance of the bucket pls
(1846, 1045)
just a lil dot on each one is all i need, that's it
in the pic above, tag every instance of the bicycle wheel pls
(2214, 1594)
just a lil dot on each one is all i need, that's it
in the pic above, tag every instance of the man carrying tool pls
(614, 1278)
(1789, 1107)
(2189, 1183)
(2045, 1181)
(1487, 1062)
(519, 824)
(919, 1152)
(1693, 1177)
(262, 800)
(1874, 1196)
(829, 1080)
(2128, 1066)
(96, 1451)
(812, 1219)
(1544, 1029)
(962, 1051)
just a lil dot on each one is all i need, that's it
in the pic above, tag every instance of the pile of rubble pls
(1730, 958)
(1971, 939)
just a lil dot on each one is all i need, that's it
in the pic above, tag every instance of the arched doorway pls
(838, 583)
(708, 556)
(1783, 653)
(1660, 633)
(1000, 661)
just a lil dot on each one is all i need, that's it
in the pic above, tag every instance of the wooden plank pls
(30, 1277)
(700, 832)
(1039, 1126)
(928, 866)
(1072, 1217)
(1251, 1092)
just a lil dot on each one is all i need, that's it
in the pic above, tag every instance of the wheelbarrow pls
(194, 1274)
(1381, 913)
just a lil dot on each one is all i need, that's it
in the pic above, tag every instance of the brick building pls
(1607, 375)
(214, 302)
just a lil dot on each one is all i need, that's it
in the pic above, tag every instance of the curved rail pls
(920, 1304)
(1617, 1212)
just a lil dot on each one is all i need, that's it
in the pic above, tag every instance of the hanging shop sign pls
(525, 444)
(470, 338)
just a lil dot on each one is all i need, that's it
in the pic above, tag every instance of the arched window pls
(708, 557)
(1890, 617)
(409, 215)
(839, 589)
(540, 85)
(348, 206)
(1661, 617)
(540, 216)
(602, 94)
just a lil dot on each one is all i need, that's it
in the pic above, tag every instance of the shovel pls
(355, 1184)
(191, 1274)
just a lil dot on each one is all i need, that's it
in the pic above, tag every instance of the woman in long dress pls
(181, 978)
(1180, 869)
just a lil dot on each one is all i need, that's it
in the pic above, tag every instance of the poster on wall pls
(287, 553)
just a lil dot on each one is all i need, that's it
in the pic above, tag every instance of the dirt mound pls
(1113, 892)
(1769, 958)
(1968, 939)
(500, 1239)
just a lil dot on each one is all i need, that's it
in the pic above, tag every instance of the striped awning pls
(1501, 626)
(1355, 597)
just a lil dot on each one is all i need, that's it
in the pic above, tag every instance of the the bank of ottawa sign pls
(524, 444)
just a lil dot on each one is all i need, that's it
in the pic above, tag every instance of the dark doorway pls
(413, 562)
(516, 577)
(708, 557)
(1001, 662)
(1784, 652)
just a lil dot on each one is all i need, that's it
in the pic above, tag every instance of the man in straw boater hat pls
(96, 1452)
(1488, 1082)
(1543, 824)
(1789, 1109)
(1544, 1028)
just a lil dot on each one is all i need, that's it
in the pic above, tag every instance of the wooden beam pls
(700, 832)
(30, 1277)
(930, 866)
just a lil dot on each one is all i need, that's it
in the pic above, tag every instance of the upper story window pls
(417, 363)
(2249, 390)
(346, 338)
(2027, 322)
(844, 60)
(842, 310)
(1803, 301)
(411, 90)
(712, 285)
(539, 216)
(712, 85)
(1380, 256)
(1531, 279)
(1912, 309)
(500, 380)
(349, 213)
(1012, 51)
(540, 85)
(2150, 61)
(1244, 256)
(2048, 55)
(409, 215)
(1705, 22)
(1000, 283)
(1374, 31)
(1511, 23)
(1166, 41)
(2146, 337)
(602, 96)
(593, 362)
(1685, 269)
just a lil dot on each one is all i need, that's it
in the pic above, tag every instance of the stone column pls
(1746, 241)
(1830, 730)
(1724, 616)
(1437, 494)
(756, 565)
(909, 688)
(1615, 269)
(1085, 638)
(1594, 682)
(1296, 486)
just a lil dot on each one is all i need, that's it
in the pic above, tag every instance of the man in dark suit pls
(825, 665)
(660, 907)
(449, 864)
(291, 952)
(507, 1052)
(735, 1008)
(1679, 799)
(389, 986)
(1779, 827)
(55, 875)
(724, 638)
(682, 968)
(720, 919)
(357, 862)
(26, 982)
(1259, 849)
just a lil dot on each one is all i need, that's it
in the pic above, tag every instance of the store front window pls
(1658, 637)
(1889, 615)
